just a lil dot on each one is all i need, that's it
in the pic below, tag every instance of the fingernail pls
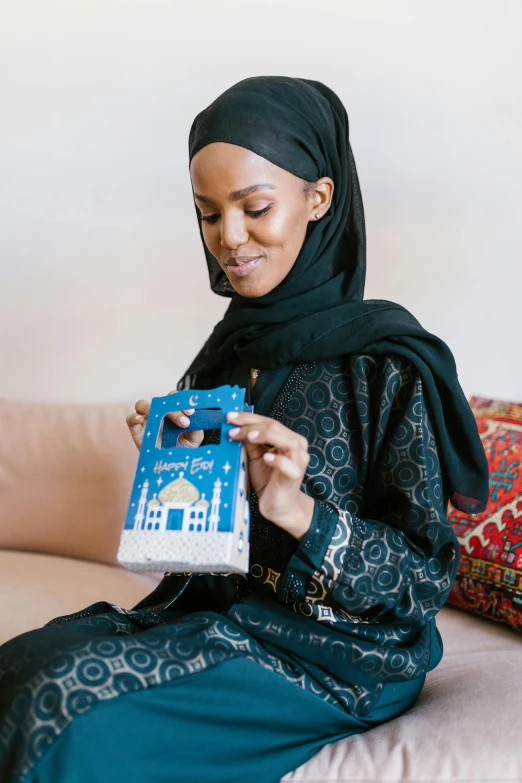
(232, 415)
(269, 457)
(190, 410)
(139, 418)
(184, 421)
(253, 434)
(234, 431)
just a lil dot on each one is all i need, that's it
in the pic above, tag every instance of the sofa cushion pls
(66, 472)
(36, 588)
(489, 580)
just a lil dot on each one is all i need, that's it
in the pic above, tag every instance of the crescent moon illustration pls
(193, 399)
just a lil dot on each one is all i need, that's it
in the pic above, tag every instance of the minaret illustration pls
(214, 511)
(140, 514)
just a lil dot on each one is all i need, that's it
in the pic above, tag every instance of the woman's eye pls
(255, 214)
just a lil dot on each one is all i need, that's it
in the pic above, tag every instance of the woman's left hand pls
(276, 474)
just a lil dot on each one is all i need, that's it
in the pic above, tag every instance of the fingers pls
(267, 430)
(191, 439)
(137, 420)
(291, 458)
(142, 407)
(284, 464)
(244, 419)
(181, 417)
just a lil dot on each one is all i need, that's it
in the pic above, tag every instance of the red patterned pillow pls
(489, 580)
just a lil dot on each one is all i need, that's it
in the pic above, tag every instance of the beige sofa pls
(65, 477)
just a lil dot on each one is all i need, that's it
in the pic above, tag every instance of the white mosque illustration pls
(179, 507)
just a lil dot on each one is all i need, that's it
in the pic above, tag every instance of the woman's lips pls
(243, 269)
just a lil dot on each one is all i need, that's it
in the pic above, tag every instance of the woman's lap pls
(233, 719)
(228, 723)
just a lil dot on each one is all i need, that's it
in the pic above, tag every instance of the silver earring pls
(318, 214)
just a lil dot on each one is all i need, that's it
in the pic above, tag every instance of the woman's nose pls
(233, 232)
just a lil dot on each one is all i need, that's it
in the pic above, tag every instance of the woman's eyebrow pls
(237, 194)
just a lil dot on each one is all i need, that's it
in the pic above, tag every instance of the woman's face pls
(252, 209)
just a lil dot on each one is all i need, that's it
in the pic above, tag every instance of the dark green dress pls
(236, 677)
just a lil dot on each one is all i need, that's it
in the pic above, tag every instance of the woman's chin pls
(250, 291)
(249, 286)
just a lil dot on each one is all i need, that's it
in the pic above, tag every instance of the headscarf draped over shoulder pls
(318, 312)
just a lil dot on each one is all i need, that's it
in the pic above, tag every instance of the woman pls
(359, 437)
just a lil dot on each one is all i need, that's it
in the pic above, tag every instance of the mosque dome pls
(153, 502)
(202, 503)
(179, 491)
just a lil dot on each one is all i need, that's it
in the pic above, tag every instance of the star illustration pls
(227, 467)
(272, 578)
(159, 482)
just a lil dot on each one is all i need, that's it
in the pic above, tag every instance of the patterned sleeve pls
(397, 560)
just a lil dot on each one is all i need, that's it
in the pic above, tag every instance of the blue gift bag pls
(189, 509)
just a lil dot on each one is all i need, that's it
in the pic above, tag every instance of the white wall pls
(104, 292)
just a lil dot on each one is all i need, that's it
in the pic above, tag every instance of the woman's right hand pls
(137, 422)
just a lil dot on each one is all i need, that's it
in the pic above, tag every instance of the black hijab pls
(317, 312)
